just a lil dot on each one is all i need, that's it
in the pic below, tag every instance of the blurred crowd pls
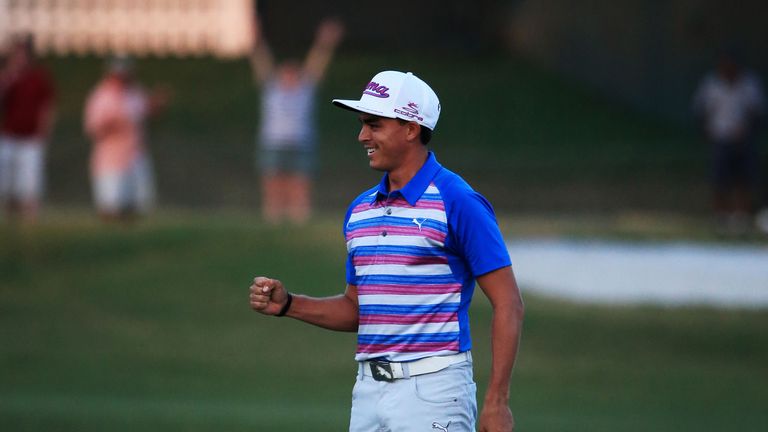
(729, 105)
(114, 118)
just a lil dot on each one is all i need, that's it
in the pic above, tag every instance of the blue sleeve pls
(351, 276)
(350, 267)
(476, 233)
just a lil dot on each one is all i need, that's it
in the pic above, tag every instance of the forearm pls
(334, 313)
(317, 61)
(47, 120)
(319, 56)
(501, 288)
(261, 62)
(505, 339)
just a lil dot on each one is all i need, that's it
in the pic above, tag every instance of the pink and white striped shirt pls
(413, 255)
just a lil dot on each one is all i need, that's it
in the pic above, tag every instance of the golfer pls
(416, 244)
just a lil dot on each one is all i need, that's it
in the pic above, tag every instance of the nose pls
(364, 135)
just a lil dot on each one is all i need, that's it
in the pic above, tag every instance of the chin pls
(373, 165)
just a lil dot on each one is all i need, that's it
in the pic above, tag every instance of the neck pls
(400, 176)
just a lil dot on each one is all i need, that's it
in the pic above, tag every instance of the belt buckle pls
(381, 371)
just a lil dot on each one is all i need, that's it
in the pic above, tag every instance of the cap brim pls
(357, 106)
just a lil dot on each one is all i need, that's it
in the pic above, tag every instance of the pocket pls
(356, 389)
(449, 386)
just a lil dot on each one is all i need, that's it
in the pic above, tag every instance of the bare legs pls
(286, 197)
(22, 211)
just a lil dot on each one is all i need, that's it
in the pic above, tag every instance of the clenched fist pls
(268, 296)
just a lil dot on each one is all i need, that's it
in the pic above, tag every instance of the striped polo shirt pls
(413, 255)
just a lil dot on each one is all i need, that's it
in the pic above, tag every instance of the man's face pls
(289, 75)
(385, 141)
(728, 69)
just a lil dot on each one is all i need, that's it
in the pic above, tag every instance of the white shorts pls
(130, 190)
(443, 400)
(21, 169)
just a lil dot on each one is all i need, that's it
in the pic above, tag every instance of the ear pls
(413, 131)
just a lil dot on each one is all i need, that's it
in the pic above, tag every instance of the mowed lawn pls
(148, 328)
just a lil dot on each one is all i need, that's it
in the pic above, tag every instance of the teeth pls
(371, 151)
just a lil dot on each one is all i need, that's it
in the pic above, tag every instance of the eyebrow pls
(369, 119)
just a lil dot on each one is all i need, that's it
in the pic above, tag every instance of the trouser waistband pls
(381, 370)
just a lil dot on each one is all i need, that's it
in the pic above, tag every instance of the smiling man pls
(417, 243)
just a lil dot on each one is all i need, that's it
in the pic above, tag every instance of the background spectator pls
(27, 98)
(287, 138)
(121, 168)
(729, 104)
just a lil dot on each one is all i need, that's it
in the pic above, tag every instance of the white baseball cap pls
(394, 94)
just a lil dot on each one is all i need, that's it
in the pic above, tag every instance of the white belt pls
(390, 371)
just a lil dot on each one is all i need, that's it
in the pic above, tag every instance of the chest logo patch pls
(419, 223)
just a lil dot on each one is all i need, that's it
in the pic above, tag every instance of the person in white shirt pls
(729, 104)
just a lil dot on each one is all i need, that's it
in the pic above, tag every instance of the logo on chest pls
(419, 222)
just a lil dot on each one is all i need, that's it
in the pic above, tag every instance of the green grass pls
(147, 328)
(522, 136)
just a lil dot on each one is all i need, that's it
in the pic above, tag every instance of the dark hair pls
(425, 133)
(24, 41)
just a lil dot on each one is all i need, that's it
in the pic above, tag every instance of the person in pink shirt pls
(121, 169)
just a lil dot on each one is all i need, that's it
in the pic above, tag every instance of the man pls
(729, 104)
(121, 169)
(416, 244)
(27, 106)
(287, 138)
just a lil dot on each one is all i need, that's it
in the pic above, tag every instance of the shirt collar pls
(416, 186)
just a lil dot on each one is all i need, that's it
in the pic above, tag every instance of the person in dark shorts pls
(729, 104)
(287, 136)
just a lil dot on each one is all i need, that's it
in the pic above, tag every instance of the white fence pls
(221, 28)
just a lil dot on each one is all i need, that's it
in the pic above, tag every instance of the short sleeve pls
(476, 233)
(351, 275)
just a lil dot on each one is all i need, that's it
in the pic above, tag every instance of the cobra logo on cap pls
(410, 111)
(376, 90)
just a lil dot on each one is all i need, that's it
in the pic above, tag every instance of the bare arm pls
(328, 36)
(262, 64)
(47, 120)
(502, 291)
(158, 100)
(269, 296)
(8, 75)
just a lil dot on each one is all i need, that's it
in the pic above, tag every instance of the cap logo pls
(412, 107)
(410, 111)
(376, 90)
